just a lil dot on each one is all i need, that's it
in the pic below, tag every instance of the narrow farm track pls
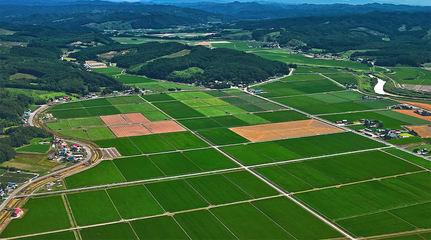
(93, 154)
(278, 189)
(130, 183)
(148, 217)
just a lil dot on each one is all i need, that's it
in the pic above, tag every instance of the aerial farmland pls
(232, 164)
(217, 120)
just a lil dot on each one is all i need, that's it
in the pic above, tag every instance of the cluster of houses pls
(4, 191)
(422, 151)
(25, 117)
(65, 152)
(374, 128)
(54, 185)
(415, 109)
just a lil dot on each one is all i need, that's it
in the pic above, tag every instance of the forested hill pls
(391, 38)
(256, 10)
(106, 15)
(30, 58)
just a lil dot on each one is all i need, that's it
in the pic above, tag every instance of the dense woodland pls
(223, 66)
(36, 63)
(390, 38)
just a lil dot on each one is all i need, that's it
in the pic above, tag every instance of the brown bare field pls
(413, 114)
(423, 130)
(274, 131)
(129, 130)
(116, 119)
(163, 127)
(420, 105)
(135, 118)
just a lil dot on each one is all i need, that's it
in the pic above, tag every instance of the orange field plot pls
(129, 130)
(420, 105)
(116, 119)
(136, 124)
(163, 127)
(274, 131)
(423, 130)
(413, 114)
(135, 118)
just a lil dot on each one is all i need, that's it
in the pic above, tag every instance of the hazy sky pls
(409, 2)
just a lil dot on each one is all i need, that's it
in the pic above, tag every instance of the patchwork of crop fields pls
(209, 182)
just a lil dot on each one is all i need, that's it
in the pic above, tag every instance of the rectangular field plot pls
(111, 231)
(248, 222)
(124, 146)
(176, 195)
(333, 102)
(275, 131)
(125, 100)
(203, 225)
(92, 207)
(364, 208)
(297, 221)
(134, 201)
(158, 228)
(67, 235)
(409, 157)
(289, 87)
(178, 110)
(288, 149)
(217, 189)
(323, 172)
(167, 142)
(103, 173)
(343, 78)
(137, 168)
(282, 116)
(41, 215)
(222, 136)
(158, 97)
(389, 119)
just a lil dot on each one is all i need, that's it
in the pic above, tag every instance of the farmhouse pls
(94, 64)
(17, 213)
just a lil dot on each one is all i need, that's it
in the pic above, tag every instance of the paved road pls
(16, 193)
(335, 125)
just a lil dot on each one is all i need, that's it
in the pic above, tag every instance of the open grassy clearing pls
(331, 171)
(30, 162)
(35, 147)
(288, 149)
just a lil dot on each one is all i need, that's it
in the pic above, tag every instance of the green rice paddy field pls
(193, 184)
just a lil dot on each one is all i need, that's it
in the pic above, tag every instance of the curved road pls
(88, 156)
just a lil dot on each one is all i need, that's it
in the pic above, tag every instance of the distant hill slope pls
(391, 38)
(103, 15)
